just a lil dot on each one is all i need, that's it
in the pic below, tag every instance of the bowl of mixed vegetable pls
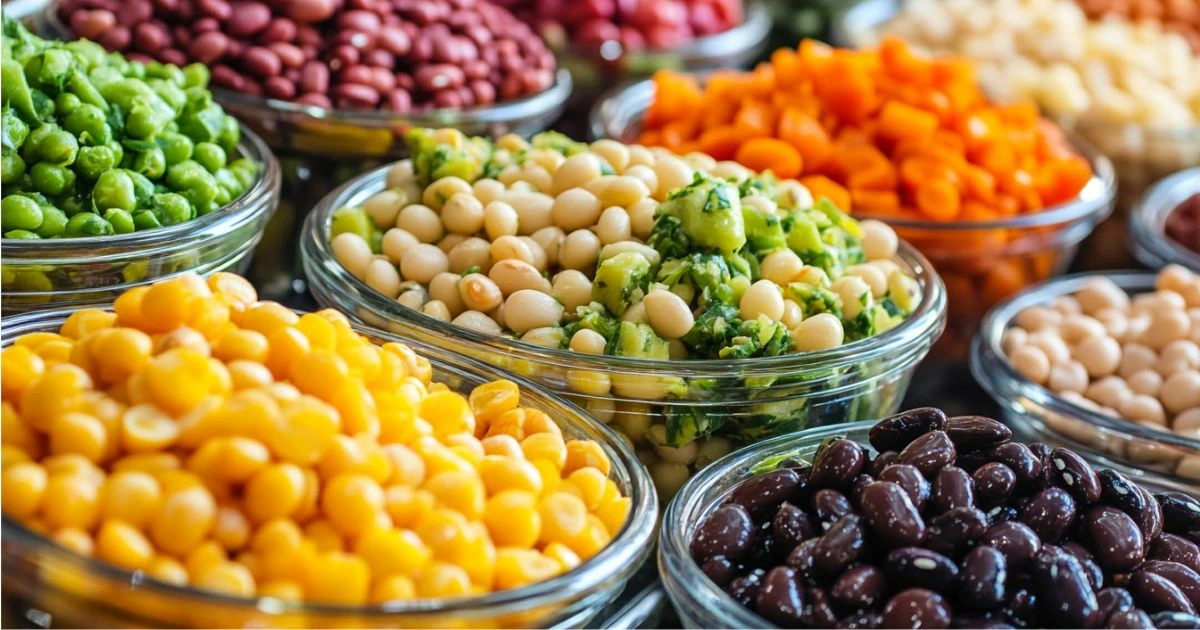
(694, 305)
(118, 172)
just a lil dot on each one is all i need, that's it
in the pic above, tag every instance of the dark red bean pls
(280, 88)
(395, 40)
(262, 62)
(791, 526)
(1150, 520)
(720, 570)
(130, 13)
(896, 432)
(362, 75)
(881, 462)
(248, 18)
(208, 47)
(1176, 549)
(1016, 541)
(892, 515)
(916, 608)
(380, 58)
(994, 482)
(909, 478)
(763, 494)
(435, 77)
(1180, 575)
(781, 599)
(1115, 538)
(173, 56)
(383, 80)
(116, 38)
(226, 77)
(829, 506)
(727, 532)
(282, 29)
(745, 589)
(952, 487)
(929, 453)
(151, 37)
(1156, 593)
(1180, 512)
(835, 464)
(92, 24)
(976, 432)
(1069, 471)
(1064, 590)
(954, 531)
(917, 566)
(859, 484)
(1112, 600)
(860, 586)
(345, 55)
(1049, 514)
(802, 558)
(364, 21)
(861, 619)
(1022, 608)
(1135, 618)
(289, 55)
(818, 611)
(218, 9)
(316, 100)
(839, 546)
(309, 11)
(1020, 459)
(1169, 619)
(205, 25)
(1087, 561)
(485, 93)
(398, 100)
(314, 77)
(983, 578)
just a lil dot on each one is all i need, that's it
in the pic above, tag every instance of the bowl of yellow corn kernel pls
(196, 457)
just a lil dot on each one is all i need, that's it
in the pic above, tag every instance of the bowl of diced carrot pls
(995, 196)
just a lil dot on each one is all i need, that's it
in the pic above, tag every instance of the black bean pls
(1118, 491)
(745, 589)
(1049, 514)
(1017, 541)
(1150, 520)
(1133, 618)
(720, 570)
(895, 432)
(1115, 538)
(994, 482)
(1176, 549)
(1180, 575)
(909, 478)
(1168, 619)
(801, 558)
(764, 493)
(836, 464)
(839, 546)
(860, 586)
(829, 506)
(917, 566)
(860, 483)
(1040, 450)
(728, 531)
(982, 583)
(916, 608)
(1069, 471)
(1019, 458)
(1181, 513)
(976, 432)
(764, 551)
(952, 532)
(1002, 514)
(881, 461)
(791, 526)
(929, 453)
(1155, 593)
(1092, 570)
(781, 599)
(861, 619)
(818, 612)
(892, 515)
(1113, 600)
(952, 487)
(1021, 609)
(1064, 590)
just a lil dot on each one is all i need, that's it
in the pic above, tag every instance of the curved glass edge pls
(1147, 224)
(916, 333)
(607, 569)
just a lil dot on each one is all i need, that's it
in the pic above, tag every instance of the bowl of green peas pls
(116, 173)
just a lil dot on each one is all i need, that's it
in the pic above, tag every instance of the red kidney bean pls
(315, 99)
(765, 493)
(218, 9)
(954, 531)
(1112, 600)
(345, 55)
(405, 81)
(861, 619)
(817, 611)
(1049, 514)
(929, 452)
(133, 12)
(248, 18)
(893, 516)
(829, 506)
(394, 40)
(909, 478)
(728, 532)
(917, 566)
(860, 586)
(994, 482)
(309, 11)
(92, 24)
(1092, 570)
(791, 526)
(226, 77)
(484, 92)
(916, 608)
(314, 77)
(1022, 608)
(115, 38)
(1180, 575)
(857, 486)
(357, 20)
(802, 559)
(262, 62)
(357, 74)
(205, 25)
(1116, 539)
(1064, 590)
(1156, 593)
(984, 574)
(1070, 472)
(876, 466)
(433, 78)
(282, 29)
(380, 58)
(139, 57)
(839, 546)
(1180, 512)
(720, 570)
(358, 93)
(1170, 619)
(1016, 541)
(398, 100)
(780, 600)
(280, 88)
(383, 80)
(151, 37)
(837, 463)
(952, 487)
(173, 56)
(1150, 520)
(1136, 618)
(289, 55)
(209, 47)
(1019, 458)
(975, 432)
(1175, 549)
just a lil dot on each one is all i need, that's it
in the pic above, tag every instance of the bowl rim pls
(623, 553)
(1147, 222)
(992, 369)
(95, 249)
(927, 318)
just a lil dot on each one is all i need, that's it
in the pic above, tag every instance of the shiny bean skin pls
(909, 478)
(917, 566)
(1069, 471)
(1168, 619)
(929, 452)
(720, 570)
(881, 462)
(1116, 539)
(1180, 575)
(1135, 618)
(994, 482)
(979, 623)
(916, 608)
(1118, 491)
(836, 463)
(1049, 514)
(780, 600)
(896, 432)
(860, 483)
(840, 545)
(818, 611)
(1155, 593)
(861, 620)
(745, 589)
(791, 526)
(766, 492)
(1113, 600)
(952, 488)
(1064, 590)
(982, 578)
(1092, 570)
(861, 586)
(1022, 608)
(1151, 519)
(954, 531)
(728, 532)
(1180, 512)
(1002, 514)
(830, 505)
(1176, 549)
(802, 559)
(892, 515)
(975, 432)
(1020, 459)
(1016, 541)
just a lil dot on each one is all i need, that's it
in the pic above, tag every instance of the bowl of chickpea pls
(1108, 364)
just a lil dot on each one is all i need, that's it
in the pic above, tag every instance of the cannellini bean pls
(422, 262)
(463, 214)
(1166, 326)
(400, 174)
(1099, 293)
(572, 288)
(550, 239)
(476, 320)
(383, 206)
(647, 176)
(499, 219)
(636, 313)
(352, 252)
(588, 342)
(545, 336)
(534, 210)
(640, 156)
(623, 191)
(1134, 358)
(1181, 391)
(1055, 348)
(781, 266)
(473, 252)
(855, 295)
(792, 314)
(819, 332)
(1076, 328)
(641, 217)
(479, 292)
(1143, 408)
(1032, 363)
(645, 251)
(1037, 318)
(514, 275)
(575, 171)
(1013, 338)
(668, 315)
(1070, 376)
(422, 222)
(413, 296)
(1145, 382)
(450, 241)
(437, 310)
(673, 174)
(487, 190)
(437, 192)
(1110, 391)
(535, 252)
(580, 251)
(613, 225)
(1067, 305)
(444, 288)
(575, 208)
(526, 309)
(1101, 355)
(511, 247)
(873, 276)
(382, 276)
(1188, 420)
(613, 152)
(879, 241)
(762, 298)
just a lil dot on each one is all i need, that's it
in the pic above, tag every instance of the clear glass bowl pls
(75, 591)
(1147, 223)
(752, 398)
(62, 272)
(699, 602)
(981, 262)
(1040, 412)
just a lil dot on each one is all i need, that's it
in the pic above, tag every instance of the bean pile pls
(1177, 16)
(596, 25)
(1183, 224)
(208, 439)
(397, 55)
(951, 524)
(94, 144)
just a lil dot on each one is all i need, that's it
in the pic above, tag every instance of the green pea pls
(51, 179)
(21, 235)
(146, 121)
(89, 53)
(229, 183)
(59, 147)
(117, 149)
(66, 103)
(54, 222)
(43, 105)
(151, 163)
(89, 119)
(88, 224)
(31, 149)
(246, 171)
(18, 212)
(143, 188)
(137, 70)
(74, 205)
(166, 72)
(210, 156)
(231, 133)
(121, 221)
(12, 167)
(14, 130)
(171, 208)
(32, 281)
(195, 75)
(172, 94)
(114, 189)
(222, 197)
(176, 147)
(145, 220)
(94, 161)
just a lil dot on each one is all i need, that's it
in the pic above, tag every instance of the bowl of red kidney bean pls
(925, 521)
(1165, 225)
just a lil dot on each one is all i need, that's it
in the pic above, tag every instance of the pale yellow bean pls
(533, 210)
(873, 276)
(487, 190)
(673, 174)
(613, 225)
(588, 342)
(527, 309)
(514, 275)
(499, 219)
(639, 156)
(669, 316)
(400, 174)
(444, 288)
(550, 239)
(855, 294)
(382, 276)
(903, 290)
(479, 293)
(353, 253)
(463, 214)
(575, 208)
(478, 321)
(1032, 363)
(1181, 391)
(422, 222)
(623, 190)
(512, 142)
(1037, 318)
(580, 251)
(792, 314)
(412, 295)
(473, 252)
(511, 247)
(572, 288)
(819, 332)
(575, 171)
(760, 203)
(645, 251)
(646, 174)
(641, 217)
(879, 241)
(762, 298)
(548, 159)
(450, 241)
(545, 336)
(423, 262)
(384, 205)
(443, 189)
(1101, 355)
(538, 254)
(613, 152)
(437, 310)
(781, 266)
(728, 169)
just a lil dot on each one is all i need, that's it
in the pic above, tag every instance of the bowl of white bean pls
(1108, 364)
(604, 291)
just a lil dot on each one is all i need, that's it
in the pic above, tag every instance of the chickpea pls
(1032, 363)
(588, 342)
(436, 193)
(499, 219)
(383, 207)
(463, 214)
(1145, 382)
(613, 225)
(572, 288)
(1037, 318)
(613, 152)
(534, 210)
(673, 174)
(1055, 348)
(647, 176)
(1101, 355)
(477, 321)
(575, 171)
(1068, 377)
(1134, 358)
(781, 266)
(879, 241)
(668, 315)
(641, 217)
(487, 190)
(1181, 354)
(1188, 420)
(353, 253)
(514, 275)
(1100, 292)
(819, 332)
(473, 252)
(550, 239)
(855, 295)
(382, 276)
(422, 262)
(422, 222)
(580, 251)
(511, 247)
(575, 208)
(1115, 323)
(527, 309)
(444, 288)
(1181, 391)
(762, 298)
(479, 293)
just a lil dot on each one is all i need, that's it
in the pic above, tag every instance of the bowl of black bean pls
(925, 521)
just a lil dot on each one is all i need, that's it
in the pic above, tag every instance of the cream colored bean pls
(499, 219)
(685, 454)
(580, 250)
(641, 217)
(527, 309)
(700, 161)
(669, 316)
(413, 295)
(673, 174)
(1188, 420)
(855, 295)
(1032, 363)
(1101, 355)
(443, 189)
(1181, 354)
(534, 210)
(463, 214)
(1077, 327)
(1055, 348)
(686, 292)
(473, 252)
(613, 152)
(550, 239)
(545, 336)
(1116, 324)
(1165, 326)
(437, 310)
(444, 288)
(762, 298)
(548, 159)
(1068, 377)
(1013, 338)
(575, 171)
(646, 174)
(511, 247)
(383, 207)
(636, 313)
(668, 477)
(536, 251)
(781, 266)
(1161, 300)
(793, 195)
(1145, 382)
(514, 275)
(1067, 305)
(382, 276)
(792, 314)
(760, 203)
(450, 241)
(1174, 277)
(1143, 408)
(477, 321)
(879, 241)
(510, 175)
(712, 448)
(575, 208)
(1181, 391)
(597, 186)
(1098, 293)
(572, 288)
(422, 222)
(873, 276)
(479, 292)
(422, 262)
(353, 253)
(587, 341)
(1110, 391)
(487, 190)
(728, 169)
(613, 225)
(400, 174)
(498, 314)
(813, 276)
(1134, 358)
(640, 155)
(819, 332)
(623, 190)
(1037, 318)
(645, 251)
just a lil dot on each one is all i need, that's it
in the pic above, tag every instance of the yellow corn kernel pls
(20, 366)
(551, 477)
(149, 463)
(251, 562)
(128, 307)
(240, 344)
(71, 501)
(564, 516)
(397, 418)
(319, 373)
(445, 532)
(502, 445)
(591, 483)
(519, 567)
(63, 351)
(14, 431)
(79, 433)
(582, 453)
(357, 409)
(245, 375)
(536, 421)
(124, 545)
(338, 578)
(10, 455)
(167, 569)
(438, 458)
(490, 400)
(73, 464)
(505, 473)
(613, 514)
(226, 578)
(288, 564)
(233, 289)
(393, 552)
(183, 337)
(55, 392)
(145, 428)
(210, 318)
(408, 469)
(365, 362)
(74, 539)
(344, 455)
(286, 346)
(407, 505)
(285, 590)
(393, 588)
(352, 502)
(265, 317)
(591, 538)
(321, 333)
(203, 557)
(119, 352)
(172, 481)
(184, 521)
(280, 534)
(512, 519)
(460, 491)
(274, 492)
(165, 306)
(477, 558)
(563, 555)
(545, 446)
(230, 528)
(86, 321)
(325, 537)
(22, 488)
(442, 579)
(236, 459)
(511, 423)
(303, 431)
(448, 412)
(415, 365)
(130, 496)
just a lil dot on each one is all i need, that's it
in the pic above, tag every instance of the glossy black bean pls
(1150, 519)
(1064, 590)
(1181, 513)
(829, 506)
(720, 570)
(1115, 538)
(911, 479)
(982, 580)
(1113, 600)
(1021, 609)
(781, 598)
(976, 432)
(952, 487)
(861, 619)
(971, 460)
(929, 453)
(1133, 618)
(837, 464)
(1049, 514)
(763, 493)
(916, 608)
(728, 531)
(1167, 619)
(1155, 593)
(856, 488)
(994, 482)
(892, 515)
(745, 589)
(839, 546)
(895, 432)
(881, 461)
(978, 623)
(1019, 458)
(1176, 549)
(1120, 492)
(860, 586)
(1092, 570)
(818, 611)
(917, 566)
(802, 560)
(952, 532)
(1002, 514)
(791, 526)
(1181, 575)
(1072, 473)
(1040, 450)
(1016, 541)
(764, 551)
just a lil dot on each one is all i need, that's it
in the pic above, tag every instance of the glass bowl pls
(981, 262)
(1044, 414)
(69, 590)
(747, 399)
(62, 272)
(1146, 225)
(699, 602)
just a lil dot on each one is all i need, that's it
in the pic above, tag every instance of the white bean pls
(477, 321)
(1134, 358)
(792, 314)
(514, 275)
(437, 310)
(613, 152)
(819, 332)
(463, 214)
(1037, 318)
(536, 252)
(479, 292)
(575, 208)
(673, 174)
(487, 190)
(588, 342)
(473, 252)
(855, 295)
(382, 276)
(613, 225)
(669, 316)
(1049, 342)
(1068, 377)
(641, 217)
(1101, 355)
(646, 175)
(575, 171)
(444, 288)
(781, 266)
(422, 262)
(879, 241)
(1145, 382)
(550, 239)
(443, 189)
(352, 252)
(580, 250)
(534, 210)
(383, 207)
(511, 247)
(545, 336)
(1144, 408)
(762, 298)
(640, 155)
(1181, 391)
(873, 276)
(645, 251)
(1013, 338)
(1032, 363)
(422, 222)
(413, 296)
(399, 174)
(636, 313)
(450, 241)
(623, 190)
(499, 219)
(527, 309)
(572, 288)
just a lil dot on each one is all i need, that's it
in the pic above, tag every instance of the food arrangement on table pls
(475, 354)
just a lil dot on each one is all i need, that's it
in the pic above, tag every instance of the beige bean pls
(645, 251)
(437, 310)
(497, 314)
(819, 332)
(444, 288)
(476, 320)
(781, 266)
(1037, 318)
(1032, 363)
(1144, 408)
(422, 222)
(700, 161)
(1067, 305)
(1013, 338)
(1174, 277)
(673, 174)
(646, 174)
(511, 247)
(545, 336)
(685, 454)
(792, 314)
(1145, 382)
(534, 210)
(640, 155)
(613, 152)
(572, 288)
(382, 276)
(548, 159)
(1070, 376)
(636, 313)
(479, 292)
(668, 315)
(641, 217)
(450, 241)
(855, 295)
(575, 208)
(575, 171)
(814, 276)
(623, 190)
(526, 309)
(580, 250)
(762, 298)
(550, 239)
(613, 225)
(873, 276)
(1160, 300)
(536, 251)
(760, 203)
(352, 252)
(534, 176)
(588, 342)
(793, 195)
(597, 186)
(399, 174)
(437, 192)
(1188, 420)
(1110, 391)
(1165, 326)
(487, 190)
(383, 207)
(514, 275)
(412, 295)
(1077, 327)
(463, 214)
(1181, 391)
(1100, 354)
(1181, 354)
(473, 252)
(728, 169)
(512, 142)
(422, 262)
(1055, 348)
(1134, 358)
(1116, 324)
(499, 219)
(1098, 293)
(879, 241)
